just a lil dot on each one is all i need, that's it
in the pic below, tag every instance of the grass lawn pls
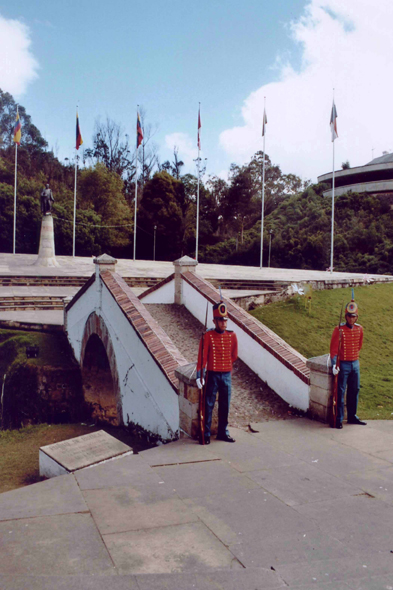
(19, 449)
(309, 331)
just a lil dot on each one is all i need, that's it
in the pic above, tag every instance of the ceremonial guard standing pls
(217, 353)
(346, 342)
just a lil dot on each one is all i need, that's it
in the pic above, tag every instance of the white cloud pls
(18, 67)
(346, 45)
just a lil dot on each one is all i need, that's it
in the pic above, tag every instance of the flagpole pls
(136, 183)
(16, 175)
(333, 128)
(198, 168)
(15, 182)
(263, 182)
(332, 237)
(73, 230)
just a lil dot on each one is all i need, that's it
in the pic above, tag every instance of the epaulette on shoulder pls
(229, 331)
(210, 330)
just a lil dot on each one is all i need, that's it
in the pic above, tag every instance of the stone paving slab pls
(43, 499)
(67, 544)
(326, 454)
(249, 579)
(302, 484)
(57, 582)
(187, 547)
(127, 509)
(334, 571)
(288, 548)
(359, 521)
(378, 483)
(189, 480)
(131, 470)
(246, 457)
(185, 450)
(248, 514)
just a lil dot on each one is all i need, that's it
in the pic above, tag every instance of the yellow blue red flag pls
(17, 129)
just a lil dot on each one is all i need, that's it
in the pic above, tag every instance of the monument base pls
(46, 253)
(71, 455)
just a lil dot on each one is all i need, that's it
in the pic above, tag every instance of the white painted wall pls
(148, 398)
(281, 379)
(164, 294)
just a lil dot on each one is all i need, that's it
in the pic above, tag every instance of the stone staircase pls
(30, 303)
(68, 281)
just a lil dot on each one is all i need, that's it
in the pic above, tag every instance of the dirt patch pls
(252, 400)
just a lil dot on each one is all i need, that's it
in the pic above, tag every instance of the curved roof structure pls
(375, 178)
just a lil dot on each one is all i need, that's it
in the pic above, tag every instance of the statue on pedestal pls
(46, 200)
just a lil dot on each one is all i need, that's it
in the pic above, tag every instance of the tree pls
(163, 205)
(111, 148)
(174, 167)
(31, 137)
(101, 191)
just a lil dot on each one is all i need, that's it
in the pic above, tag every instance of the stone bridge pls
(131, 368)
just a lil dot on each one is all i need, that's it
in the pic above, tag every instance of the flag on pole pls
(264, 123)
(79, 139)
(17, 129)
(139, 134)
(199, 128)
(333, 122)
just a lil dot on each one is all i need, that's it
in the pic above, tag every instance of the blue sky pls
(169, 55)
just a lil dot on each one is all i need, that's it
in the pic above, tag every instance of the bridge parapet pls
(142, 358)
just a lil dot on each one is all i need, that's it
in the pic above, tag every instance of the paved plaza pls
(293, 504)
(23, 264)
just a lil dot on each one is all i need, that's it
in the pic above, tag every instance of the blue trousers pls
(220, 383)
(349, 376)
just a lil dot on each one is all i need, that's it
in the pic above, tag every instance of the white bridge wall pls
(281, 379)
(148, 399)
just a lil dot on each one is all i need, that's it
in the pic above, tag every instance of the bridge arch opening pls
(98, 385)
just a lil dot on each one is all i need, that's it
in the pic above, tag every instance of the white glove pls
(200, 383)
(335, 370)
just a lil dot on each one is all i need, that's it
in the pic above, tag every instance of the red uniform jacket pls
(219, 351)
(351, 342)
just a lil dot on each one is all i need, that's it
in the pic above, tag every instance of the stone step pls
(59, 281)
(30, 303)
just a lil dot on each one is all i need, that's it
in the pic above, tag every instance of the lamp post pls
(154, 243)
(270, 243)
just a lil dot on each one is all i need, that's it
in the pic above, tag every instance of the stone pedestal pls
(46, 253)
(105, 262)
(71, 455)
(321, 388)
(183, 264)
(189, 402)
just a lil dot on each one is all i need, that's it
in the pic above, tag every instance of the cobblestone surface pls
(252, 400)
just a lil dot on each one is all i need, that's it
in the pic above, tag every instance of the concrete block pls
(320, 395)
(323, 380)
(191, 410)
(319, 412)
(192, 393)
(69, 455)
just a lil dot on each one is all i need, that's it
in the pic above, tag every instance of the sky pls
(232, 57)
